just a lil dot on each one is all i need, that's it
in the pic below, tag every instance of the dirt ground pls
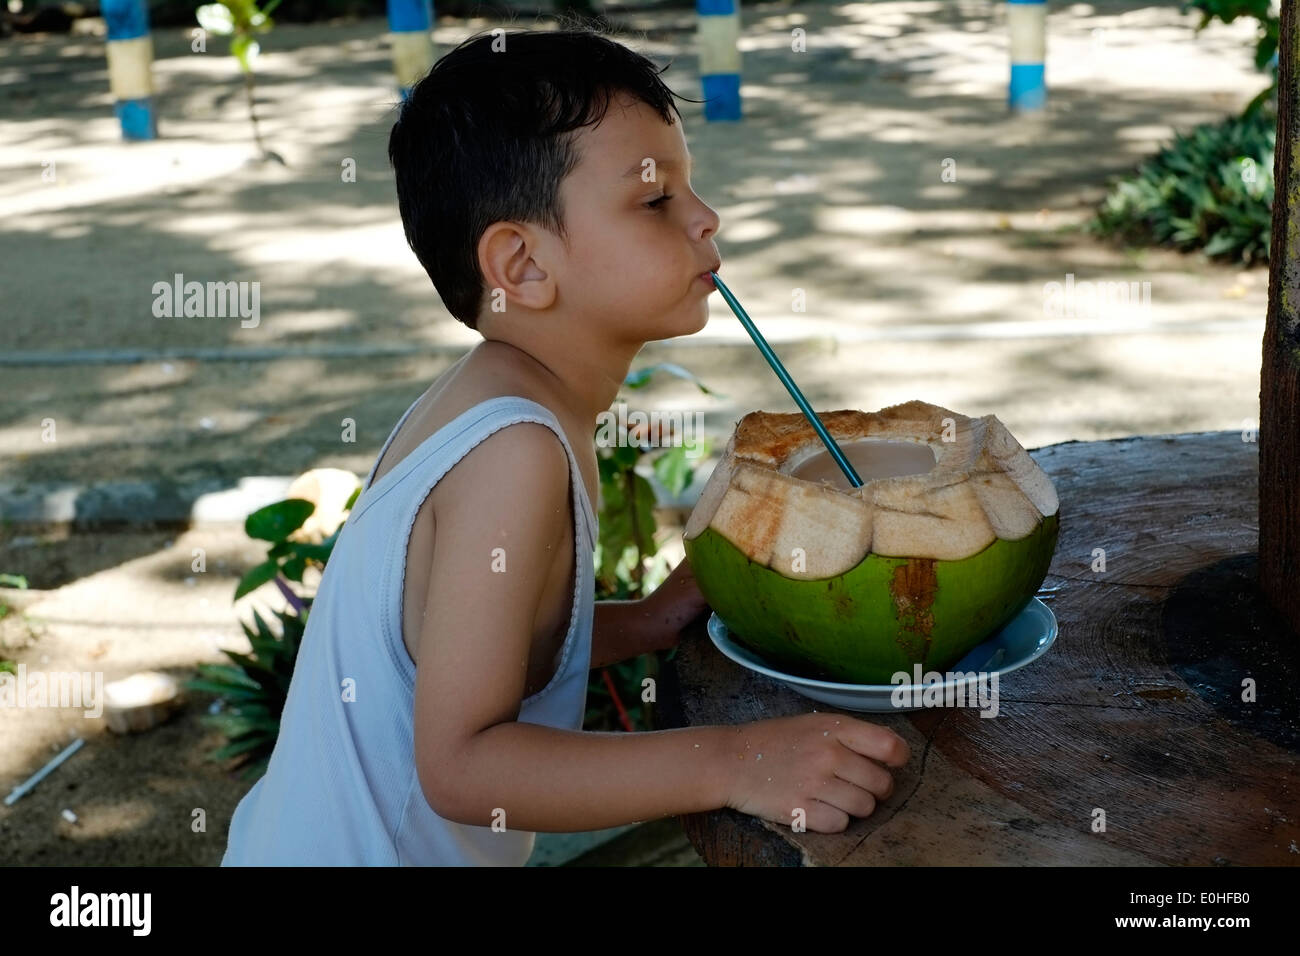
(916, 288)
(127, 602)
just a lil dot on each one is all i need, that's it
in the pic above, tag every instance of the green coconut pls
(948, 539)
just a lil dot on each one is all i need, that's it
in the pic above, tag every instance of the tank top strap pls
(457, 438)
(388, 441)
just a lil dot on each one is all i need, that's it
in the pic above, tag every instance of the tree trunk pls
(1279, 395)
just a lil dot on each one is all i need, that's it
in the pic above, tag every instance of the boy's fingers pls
(873, 740)
(868, 775)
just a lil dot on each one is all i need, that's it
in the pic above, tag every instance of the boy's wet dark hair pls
(487, 136)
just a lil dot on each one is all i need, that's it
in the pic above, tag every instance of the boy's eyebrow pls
(635, 168)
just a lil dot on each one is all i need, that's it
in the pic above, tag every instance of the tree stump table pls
(1169, 700)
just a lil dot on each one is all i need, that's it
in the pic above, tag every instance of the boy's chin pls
(701, 317)
(674, 323)
(675, 329)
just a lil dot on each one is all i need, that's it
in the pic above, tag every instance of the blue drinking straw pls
(788, 382)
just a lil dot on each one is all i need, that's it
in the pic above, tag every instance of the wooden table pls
(1136, 710)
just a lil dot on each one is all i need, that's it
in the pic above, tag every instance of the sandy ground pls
(916, 288)
(832, 184)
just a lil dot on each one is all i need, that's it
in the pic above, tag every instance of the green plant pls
(275, 523)
(242, 21)
(1266, 40)
(254, 687)
(1212, 189)
(627, 554)
(253, 690)
(10, 581)
(627, 525)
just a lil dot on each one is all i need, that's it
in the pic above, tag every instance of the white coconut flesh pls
(936, 484)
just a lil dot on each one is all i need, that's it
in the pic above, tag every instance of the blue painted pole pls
(1027, 20)
(130, 67)
(411, 25)
(718, 38)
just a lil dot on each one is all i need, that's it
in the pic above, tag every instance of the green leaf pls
(316, 552)
(294, 567)
(1264, 52)
(255, 577)
(673, 469)
(1220, 244)
(251, 709)
(625, 457)
(235, 749)
(250, 664)
(281, 548)
(224, 673)
(263, 629)
(237, 692)
(236, 725)
(1261, 98)
(277, 521)
(644, 526)
(245, 50)
(268, 651)
(256, 770)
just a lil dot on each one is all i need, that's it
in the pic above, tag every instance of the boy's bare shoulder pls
(493, 371)
(509, 462)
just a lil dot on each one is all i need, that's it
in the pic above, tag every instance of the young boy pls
(435, 711)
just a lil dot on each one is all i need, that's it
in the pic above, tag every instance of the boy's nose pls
(713, 222)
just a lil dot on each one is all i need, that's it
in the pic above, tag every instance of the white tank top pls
(341, 786)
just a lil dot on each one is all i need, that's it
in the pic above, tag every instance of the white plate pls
(1025, 638)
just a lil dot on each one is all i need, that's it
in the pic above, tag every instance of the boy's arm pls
(473, 758)
(625, 629)
(563, 781)
(621, 630)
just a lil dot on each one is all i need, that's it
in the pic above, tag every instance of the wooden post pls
(1027, 22)
(717, 36)
(1279, 392)
(130, 66)
(410, 23)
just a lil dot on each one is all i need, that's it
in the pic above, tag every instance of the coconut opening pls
(871, 458)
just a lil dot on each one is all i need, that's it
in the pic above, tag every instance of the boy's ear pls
(508, 254)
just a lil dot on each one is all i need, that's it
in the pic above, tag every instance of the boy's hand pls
(675, 603)
(818, 769)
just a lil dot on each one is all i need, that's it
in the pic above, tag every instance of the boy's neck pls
(586, 381)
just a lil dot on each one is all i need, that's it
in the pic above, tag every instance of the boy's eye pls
(655, 203)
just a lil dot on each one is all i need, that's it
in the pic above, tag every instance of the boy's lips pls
(707, 277)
